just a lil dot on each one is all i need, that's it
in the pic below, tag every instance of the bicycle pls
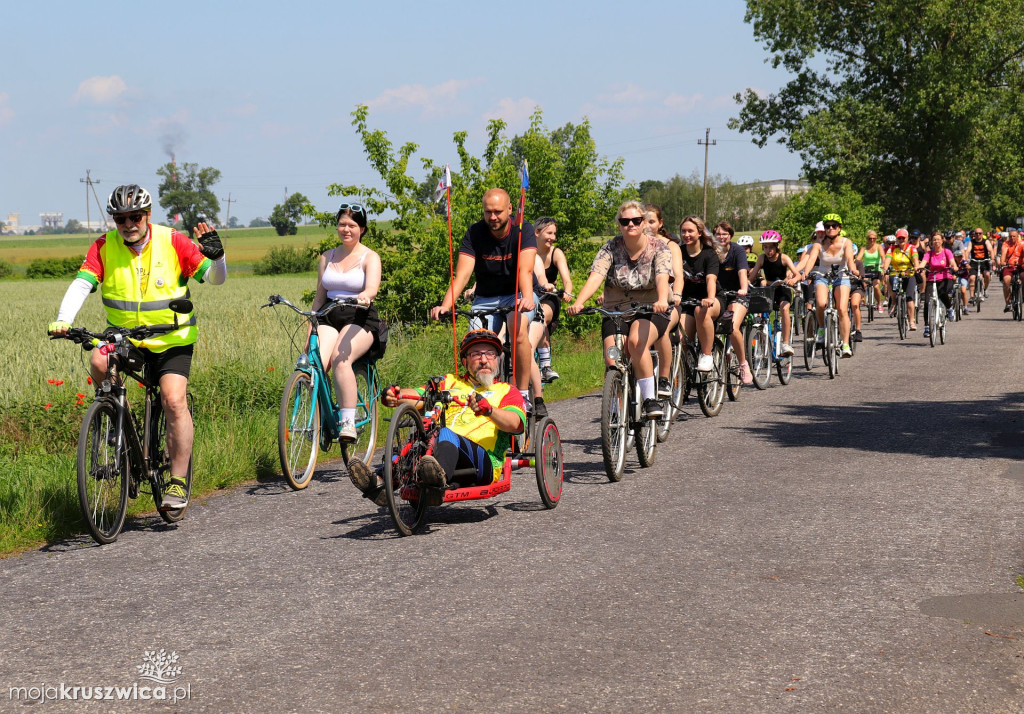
(832, 349)
(979, 283)
(958, 301)
(538, 316)
(936, 312)
(870, 278)
(621, 404)
(1016, 298)
(309, 419)
(677, 378)
(899, 297)
(115, 459)
(709, 386)
(763, 338)
(411, 437)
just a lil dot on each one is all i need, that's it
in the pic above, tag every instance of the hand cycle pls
(411, 436)
(898, 302)
(116, 459)
(935, 311)
(763, 338)
(505, 362)
(621, 404)
(833, 348)
(710, 387)
(309, 419)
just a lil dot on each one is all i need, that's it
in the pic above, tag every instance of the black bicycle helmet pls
(129, 198)
(480, 335)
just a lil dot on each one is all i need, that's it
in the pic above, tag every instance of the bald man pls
(496, 253)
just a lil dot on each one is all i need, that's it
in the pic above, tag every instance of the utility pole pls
(707, 143)
(88, 216)
(229, 201)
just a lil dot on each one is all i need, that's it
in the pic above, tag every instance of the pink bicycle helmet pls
(770, 237)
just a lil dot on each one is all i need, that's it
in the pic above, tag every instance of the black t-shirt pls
(497, 261)
(695, 268)
(728, 272)
(774, 270)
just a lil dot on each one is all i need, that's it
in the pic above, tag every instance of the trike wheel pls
(614, 423)
(298, 430)
(102, 484)
(366, 420)
(548, 462)
(402, 453)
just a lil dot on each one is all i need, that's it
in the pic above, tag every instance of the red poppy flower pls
(48, 405)
(80, 396)
(88, 380)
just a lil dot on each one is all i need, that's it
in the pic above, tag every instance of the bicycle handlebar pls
(327, 307)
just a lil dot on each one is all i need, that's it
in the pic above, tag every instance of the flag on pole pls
(443, 185)
(524, 175)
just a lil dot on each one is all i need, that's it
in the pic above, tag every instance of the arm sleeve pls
(467, 244)
(218, 272)
(73, 300)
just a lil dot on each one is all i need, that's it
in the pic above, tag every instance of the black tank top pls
(773, 270)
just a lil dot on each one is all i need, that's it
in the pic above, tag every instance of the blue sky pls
(263, 91)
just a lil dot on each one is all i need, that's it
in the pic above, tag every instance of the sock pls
(544, 356)
(526, 394)
(646, 386)
(348, 415)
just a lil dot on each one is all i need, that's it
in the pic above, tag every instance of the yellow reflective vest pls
(137, 289)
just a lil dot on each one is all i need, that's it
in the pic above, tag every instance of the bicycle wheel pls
(160, 464)
(366, 419)
(759, 355)
(942, 328)
(830, 352)
(712, 390)
(933, 321)
(902, 321)
(784, 367)
(548, 462)
(871, 302)
(978, 290)
(1015, 301)
(646, 441)
(671, 404)
(614, 423)
(733, 381)
(810, 338)
(102, 484)
(298, 430)
(402, 453)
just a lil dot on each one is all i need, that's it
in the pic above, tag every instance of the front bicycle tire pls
(366, 419)
(933, 322)
(902, 321)
(831, 358)
(810, 338)
(733, 381)
(102, 485)
(614, 423)
(979, 289)
(759, 356)
(548, 462)
(712, 390)
(162, 467)
(671, 403)
(298, 430)
(402, 453)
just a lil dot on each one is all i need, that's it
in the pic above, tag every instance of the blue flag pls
(524, 175)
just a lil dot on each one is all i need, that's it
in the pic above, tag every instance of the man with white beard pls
(480, 421)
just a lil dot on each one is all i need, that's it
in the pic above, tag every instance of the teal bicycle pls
(309, 419)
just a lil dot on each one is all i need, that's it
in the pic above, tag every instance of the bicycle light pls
(303, 362)
(614, 353)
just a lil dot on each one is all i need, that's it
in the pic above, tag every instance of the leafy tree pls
(259, 222)
(285, 215)
(233, 222)
(188, 190)
(912, 102)
(796, 220)
(744, 206)
(74, 226)
(568, 181)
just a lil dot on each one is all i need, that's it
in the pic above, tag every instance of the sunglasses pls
(133, 217)
(829, 226)
(354, 207)
(637, 220)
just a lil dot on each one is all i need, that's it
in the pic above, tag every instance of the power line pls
(707, 144)
(229, 201)
(90, 184)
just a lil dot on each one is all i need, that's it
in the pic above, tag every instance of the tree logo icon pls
(159, 667)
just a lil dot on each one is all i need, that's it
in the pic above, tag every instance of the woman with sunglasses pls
(656, 228)
(349, 332)
(871, 256)
(902, 259)
(634, 267)
(833, 251)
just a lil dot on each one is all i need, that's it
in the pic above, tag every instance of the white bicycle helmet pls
(128, 198)
(745, 241)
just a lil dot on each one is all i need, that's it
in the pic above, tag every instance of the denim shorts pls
(845, 280)
(495, 321)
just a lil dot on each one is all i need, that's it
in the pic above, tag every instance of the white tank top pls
(826, 262)
(347, 284)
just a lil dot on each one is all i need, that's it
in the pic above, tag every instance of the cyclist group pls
(687, 283)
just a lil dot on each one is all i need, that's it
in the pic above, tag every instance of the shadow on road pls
(976, 429)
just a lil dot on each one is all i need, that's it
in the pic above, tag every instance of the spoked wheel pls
(978, 290)
(614, 423)
(402, 453)
(712, 389)
(830, 352)
(102, 483)
(162, 465)
(810, 338)
(871, 303)
(646, 441)
(548, 462)
(902, 320)
(733, 380)
(933, 322)
(298, 430)
(366, 420)
(759, 356)
(676, 378)
(942, 329)
(784, 367)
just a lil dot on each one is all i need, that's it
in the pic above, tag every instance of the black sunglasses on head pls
(636, 220)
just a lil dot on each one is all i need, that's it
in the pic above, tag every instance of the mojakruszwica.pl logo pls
(158, 675)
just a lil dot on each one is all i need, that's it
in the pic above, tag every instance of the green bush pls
(6, 269)
(285, 259)
(54, 267)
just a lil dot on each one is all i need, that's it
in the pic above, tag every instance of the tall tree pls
(911, 101)
(188, 190)
(285, 216)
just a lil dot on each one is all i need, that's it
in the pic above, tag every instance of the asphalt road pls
(830, 545)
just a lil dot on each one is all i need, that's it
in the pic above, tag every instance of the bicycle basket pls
(723, 325)
(761, 299)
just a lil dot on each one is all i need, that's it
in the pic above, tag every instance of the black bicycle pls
(121, 454)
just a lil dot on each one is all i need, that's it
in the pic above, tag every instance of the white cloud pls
(100, 90)
(630, 102)
(515, 112)
(6, 113)
(437, 100)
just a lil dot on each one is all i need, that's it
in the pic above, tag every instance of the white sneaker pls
(705, 363)
(786, 350)
(347, 432)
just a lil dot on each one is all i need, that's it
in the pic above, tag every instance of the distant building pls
(782, 187)
(13, 223)
(52, 220)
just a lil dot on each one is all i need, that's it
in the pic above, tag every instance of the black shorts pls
(366, 318)
(986, 265)
(660, 323)
(690, 309)
(782, 295)
(556, 309)
(173, 360)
